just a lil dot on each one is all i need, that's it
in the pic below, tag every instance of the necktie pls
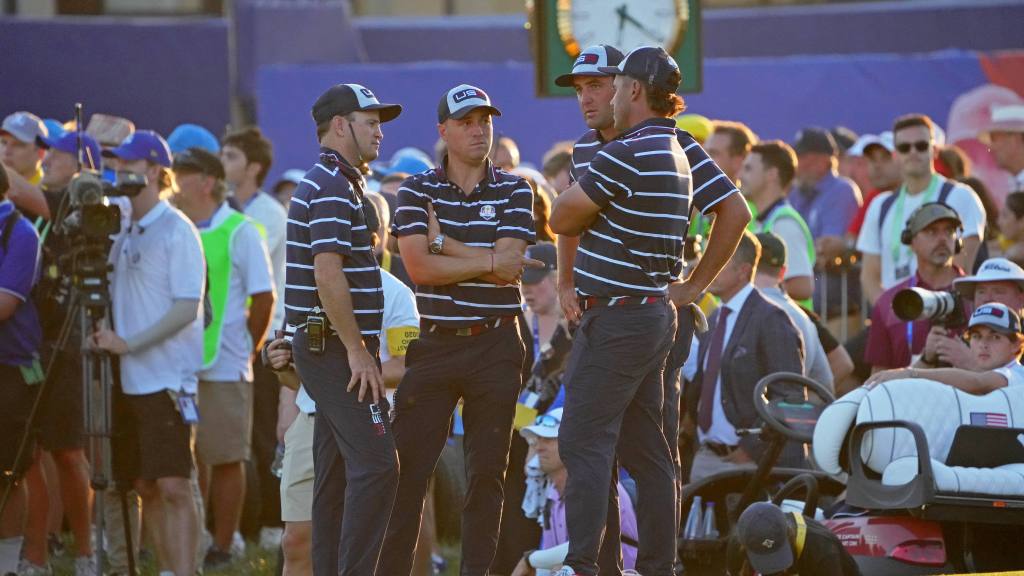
(707, 387)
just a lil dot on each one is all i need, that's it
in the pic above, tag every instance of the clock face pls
(625, 24)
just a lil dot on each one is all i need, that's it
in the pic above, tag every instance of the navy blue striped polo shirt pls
(500, 206)
(642, 182)
(326, 215)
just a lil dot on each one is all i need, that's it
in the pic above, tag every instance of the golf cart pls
(782, 403)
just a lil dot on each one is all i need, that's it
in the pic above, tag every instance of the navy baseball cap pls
(546, 253)
(68, 142)
(461, 100)
(199, 160)
(143, 145)
(589, 63)
(773, 249)
(764, 534)
(342, 99)
(650, 65)
(815, 140)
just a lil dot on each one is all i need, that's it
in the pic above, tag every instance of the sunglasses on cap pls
(920, 146)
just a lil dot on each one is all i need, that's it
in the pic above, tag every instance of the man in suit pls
(750, 339)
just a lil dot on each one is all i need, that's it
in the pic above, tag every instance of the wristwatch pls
(437, 244)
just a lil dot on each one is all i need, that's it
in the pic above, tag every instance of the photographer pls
(20, 370)
(997, 281)
(238, 270)
(933, 234)
(156, 290)
(61, 413)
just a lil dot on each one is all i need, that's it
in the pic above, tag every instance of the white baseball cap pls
(862, 144)
(545, 426)
(25, 126)
(992, 270)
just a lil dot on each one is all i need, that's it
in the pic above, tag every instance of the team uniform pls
(469, 347)
(400, 327)
(353, 449)
(614, 381)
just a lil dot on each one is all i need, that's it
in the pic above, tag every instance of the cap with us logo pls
(461, 100)
(996, 316)
(588, 63)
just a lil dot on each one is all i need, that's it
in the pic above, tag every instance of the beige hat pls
(1009, 118)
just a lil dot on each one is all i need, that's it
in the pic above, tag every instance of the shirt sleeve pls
(19, 264)
(869, 241)
(186, 263)
(253, 261)
(517, 217)
(608, 175)
(710, 184)
(877, 352)
(401, 320)
(843, 207)
(972, 213)
(798, 261)
(330, 219)
(411, 213)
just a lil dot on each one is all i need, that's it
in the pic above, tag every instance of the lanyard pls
(898, 222)
(910, 324)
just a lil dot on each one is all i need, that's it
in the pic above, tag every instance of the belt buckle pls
(467, 331)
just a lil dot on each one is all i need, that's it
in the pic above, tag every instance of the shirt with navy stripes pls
(635, 246)
(500, 206)
(326, 215)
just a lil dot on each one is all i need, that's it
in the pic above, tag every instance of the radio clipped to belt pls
(317, 329)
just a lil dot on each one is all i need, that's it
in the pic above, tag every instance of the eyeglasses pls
(920, 146)
(547, 421)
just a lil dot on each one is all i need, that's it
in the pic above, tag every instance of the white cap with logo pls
(992, 270)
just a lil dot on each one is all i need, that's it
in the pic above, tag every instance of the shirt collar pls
(1020, 178)
(553, 492)
(6, 207)
(154, 213)
(657, 121)
(762, 216)
(735, 304)
(490, 174)
(333, 157)
(218, 216)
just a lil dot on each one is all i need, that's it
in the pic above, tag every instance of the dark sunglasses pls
(920, 146)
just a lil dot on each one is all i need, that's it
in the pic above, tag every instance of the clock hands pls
(625, 17)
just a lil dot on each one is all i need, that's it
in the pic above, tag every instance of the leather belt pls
(719, 449)
(588, 302)
(474, 330)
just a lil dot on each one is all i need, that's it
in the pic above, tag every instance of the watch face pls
(625, 25)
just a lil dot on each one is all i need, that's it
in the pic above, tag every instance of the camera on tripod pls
(90, 216)
(943, 308)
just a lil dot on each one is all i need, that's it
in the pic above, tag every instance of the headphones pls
(934, 211)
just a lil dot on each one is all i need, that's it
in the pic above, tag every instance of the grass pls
(257, 562)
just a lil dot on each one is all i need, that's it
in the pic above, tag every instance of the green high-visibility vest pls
(785, 210)
(217, 244)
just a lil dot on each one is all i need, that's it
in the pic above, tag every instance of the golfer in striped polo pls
(630, 210)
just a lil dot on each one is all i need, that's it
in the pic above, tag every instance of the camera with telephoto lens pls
(942, 308)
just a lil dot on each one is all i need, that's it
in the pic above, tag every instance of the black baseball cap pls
(196, 159)
(815, 140)
(342, 99)
(589, 63)
(648, 64)
(844, 137)
(547, 254)
(461, 100)
(773, 249)
(763, 532)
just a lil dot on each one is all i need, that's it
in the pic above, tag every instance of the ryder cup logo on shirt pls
(487, 212)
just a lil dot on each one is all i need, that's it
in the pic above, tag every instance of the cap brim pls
(115, 153)
(772, 563)
(19, 137)
(539, 431)
(566, 80)
(462, 113)
(966, 285)
(535, 275)
(45, 143)
(994, 327)
(388, 112)
(610, 70)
